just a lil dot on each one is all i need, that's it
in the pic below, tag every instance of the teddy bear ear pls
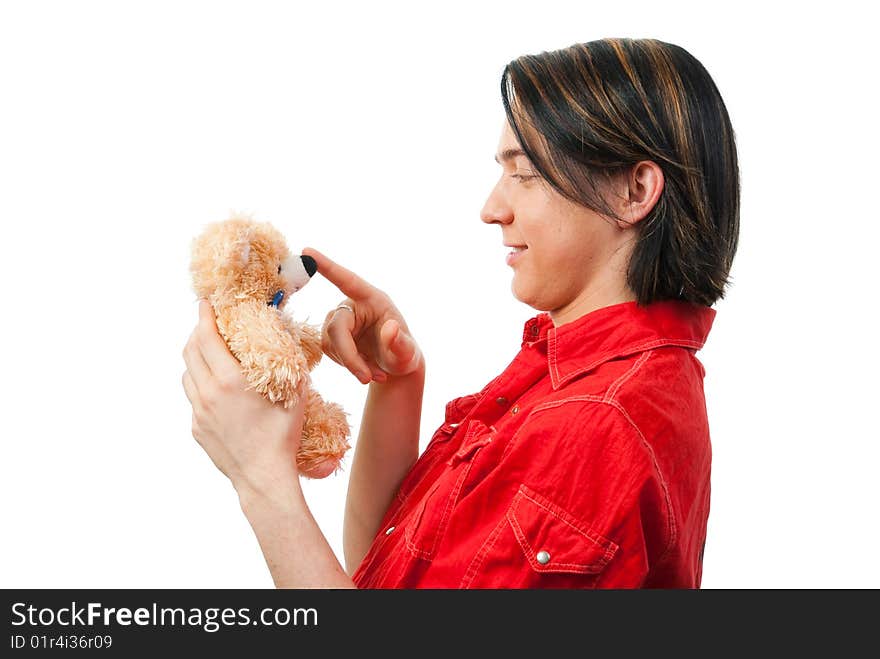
(238, 251)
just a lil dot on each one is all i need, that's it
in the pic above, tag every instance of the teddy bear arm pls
(311, 344)
(309, 338)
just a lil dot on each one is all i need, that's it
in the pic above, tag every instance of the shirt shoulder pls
(585, 454)
(657, 393)
(660, 394)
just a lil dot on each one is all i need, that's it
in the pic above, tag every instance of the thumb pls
(401, 351)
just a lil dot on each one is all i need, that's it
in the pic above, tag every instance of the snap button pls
(543, 557)
(534, 330)
(389, 530)
(515, 409)
(501, 400)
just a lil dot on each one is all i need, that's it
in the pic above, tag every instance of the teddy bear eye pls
(279, 269)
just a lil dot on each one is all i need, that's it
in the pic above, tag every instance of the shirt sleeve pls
(590, 508)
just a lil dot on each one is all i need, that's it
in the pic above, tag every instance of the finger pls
(344, 279)
(378, 374)
(192, 391)
(401, 350)
(344, 348)
(195, 362)
(195, 433)
(212, 346)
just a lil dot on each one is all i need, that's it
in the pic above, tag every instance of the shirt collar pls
(618, 330)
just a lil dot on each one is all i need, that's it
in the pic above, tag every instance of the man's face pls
(568, 248)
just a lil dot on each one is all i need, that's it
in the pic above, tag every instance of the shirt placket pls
(503, 397)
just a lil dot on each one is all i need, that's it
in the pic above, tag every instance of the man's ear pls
(639, 191)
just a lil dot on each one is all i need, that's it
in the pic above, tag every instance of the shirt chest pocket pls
(538, 544)
(430, 517)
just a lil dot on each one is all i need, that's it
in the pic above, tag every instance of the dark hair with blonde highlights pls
(586, 113)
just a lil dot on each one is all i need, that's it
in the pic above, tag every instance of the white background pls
(367, 130)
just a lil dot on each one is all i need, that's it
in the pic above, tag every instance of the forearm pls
(387, 447)
(295, 549)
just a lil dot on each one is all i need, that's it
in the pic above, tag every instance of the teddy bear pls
(245, 270)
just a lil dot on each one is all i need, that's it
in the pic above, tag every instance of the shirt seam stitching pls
(619, 382)
(670, 517)
(478, 560)
(559, 380)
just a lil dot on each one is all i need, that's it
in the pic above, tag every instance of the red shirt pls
(585, 464)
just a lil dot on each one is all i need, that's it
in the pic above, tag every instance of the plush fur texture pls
(241, 266)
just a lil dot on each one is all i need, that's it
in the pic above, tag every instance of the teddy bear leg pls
(325, 437)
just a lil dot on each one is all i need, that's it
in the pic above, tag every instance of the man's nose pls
(495, 209)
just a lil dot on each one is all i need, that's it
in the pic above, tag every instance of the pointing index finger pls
(344, 279)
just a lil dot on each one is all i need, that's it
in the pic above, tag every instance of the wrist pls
(260, 490)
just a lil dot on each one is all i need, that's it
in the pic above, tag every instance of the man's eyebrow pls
(509, 154)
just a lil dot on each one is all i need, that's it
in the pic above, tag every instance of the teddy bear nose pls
(309, 264)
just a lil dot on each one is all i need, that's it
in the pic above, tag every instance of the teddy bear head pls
(239, 258)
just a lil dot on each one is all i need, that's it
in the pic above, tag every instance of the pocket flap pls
(553, 540)
(476, 435)
(458, 408)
